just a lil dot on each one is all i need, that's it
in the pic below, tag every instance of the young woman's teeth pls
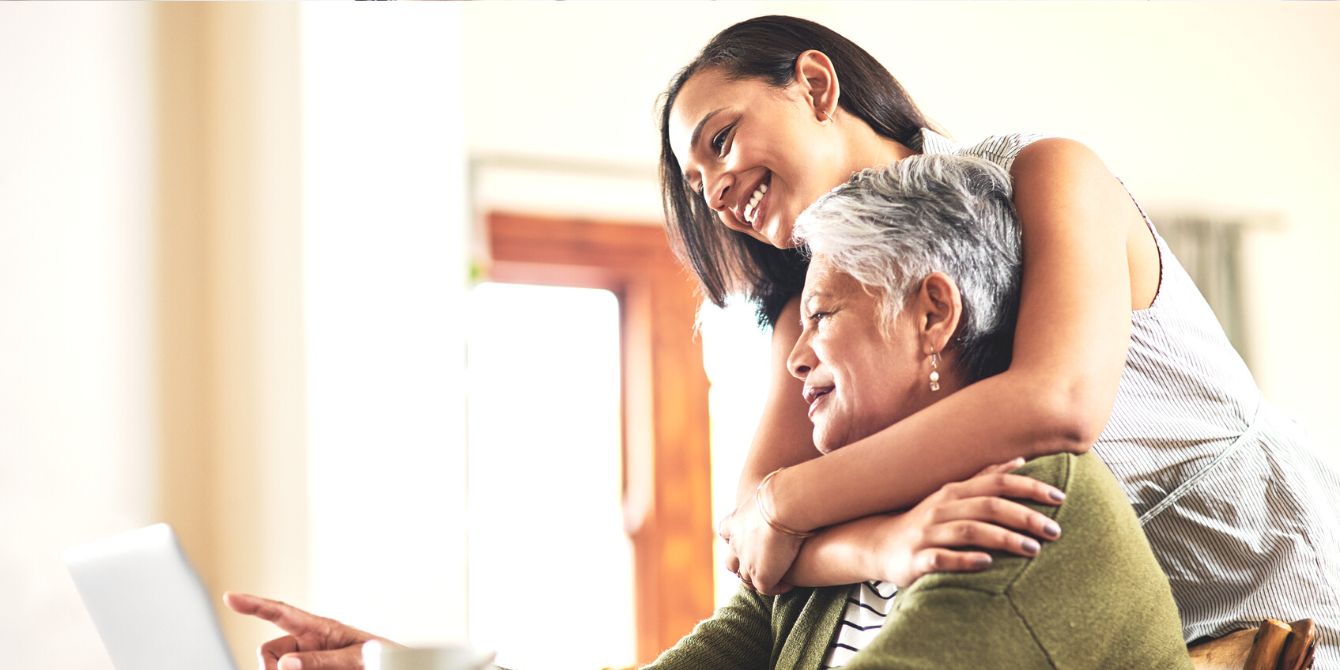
(751, 209)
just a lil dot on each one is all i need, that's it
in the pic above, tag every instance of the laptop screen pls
(147, 602)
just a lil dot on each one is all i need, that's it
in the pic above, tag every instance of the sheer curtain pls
(1212, 251)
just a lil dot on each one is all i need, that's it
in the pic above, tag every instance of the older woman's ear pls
(938, 306)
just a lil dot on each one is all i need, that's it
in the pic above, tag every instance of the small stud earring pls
(935, 373)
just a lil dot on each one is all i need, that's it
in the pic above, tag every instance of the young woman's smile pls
(756, 153)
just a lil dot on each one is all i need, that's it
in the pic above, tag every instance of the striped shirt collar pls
(935, 143)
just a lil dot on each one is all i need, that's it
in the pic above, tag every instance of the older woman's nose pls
(802, 360)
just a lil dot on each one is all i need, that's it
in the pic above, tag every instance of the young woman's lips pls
(760, 212)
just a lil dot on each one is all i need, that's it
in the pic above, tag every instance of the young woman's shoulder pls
(1062, 185)
(1051, 154)
(1030, 155)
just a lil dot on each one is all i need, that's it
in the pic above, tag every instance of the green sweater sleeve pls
(737, 637)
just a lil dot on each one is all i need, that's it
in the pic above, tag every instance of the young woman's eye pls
(719, 141)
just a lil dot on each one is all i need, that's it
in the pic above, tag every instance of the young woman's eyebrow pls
(698, 129)
(698, 132)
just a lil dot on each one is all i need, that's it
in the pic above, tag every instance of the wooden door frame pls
(666, 458)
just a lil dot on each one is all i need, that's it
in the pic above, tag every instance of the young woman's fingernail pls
(981, 562)
(1030, 546)
(1055, 494)
(290, 663)
(1051, 529)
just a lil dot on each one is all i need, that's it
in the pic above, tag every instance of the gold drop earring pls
(935, 372)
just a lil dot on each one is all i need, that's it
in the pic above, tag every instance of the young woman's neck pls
(868, 148)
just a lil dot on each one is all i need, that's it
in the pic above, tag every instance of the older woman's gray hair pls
(890, 227)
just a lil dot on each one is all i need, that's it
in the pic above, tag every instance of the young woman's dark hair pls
(766, 48)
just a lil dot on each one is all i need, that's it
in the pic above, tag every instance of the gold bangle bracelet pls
(763, 511)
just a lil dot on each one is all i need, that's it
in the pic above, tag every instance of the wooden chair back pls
(1274, 645)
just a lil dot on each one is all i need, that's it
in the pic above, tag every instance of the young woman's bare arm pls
(1085, 267)
(784, 433)
(949, 531)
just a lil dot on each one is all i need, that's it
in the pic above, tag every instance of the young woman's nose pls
(717, 189)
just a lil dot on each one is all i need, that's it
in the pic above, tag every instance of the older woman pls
(909, 297)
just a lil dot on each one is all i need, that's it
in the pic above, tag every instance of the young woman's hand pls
(312, 643)
(759, 555)
(951, 528)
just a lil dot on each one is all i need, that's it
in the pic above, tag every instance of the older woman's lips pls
(814, 395)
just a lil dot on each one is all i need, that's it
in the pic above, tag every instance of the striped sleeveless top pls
(1243, 518)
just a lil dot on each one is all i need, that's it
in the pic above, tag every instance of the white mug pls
(378, 656)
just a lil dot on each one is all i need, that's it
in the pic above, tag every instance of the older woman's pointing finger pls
(312, 643)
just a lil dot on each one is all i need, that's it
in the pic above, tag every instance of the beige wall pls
(77, 388)
(229, 289)
(150, 322)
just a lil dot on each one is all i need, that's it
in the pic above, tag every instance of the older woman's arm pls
(1080, 283)
(737, 637)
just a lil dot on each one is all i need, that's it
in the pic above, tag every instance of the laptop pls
(148, 603)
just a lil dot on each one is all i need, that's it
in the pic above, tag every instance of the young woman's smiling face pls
(858, 378)
(758, 155)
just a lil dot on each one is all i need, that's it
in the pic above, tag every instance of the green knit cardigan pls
(1095, 598)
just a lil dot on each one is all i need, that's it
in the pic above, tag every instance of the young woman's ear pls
(939, 306)
(818, 82)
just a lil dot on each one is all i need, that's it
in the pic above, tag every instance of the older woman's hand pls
(759, 555)
(312, 643)
(947, 531)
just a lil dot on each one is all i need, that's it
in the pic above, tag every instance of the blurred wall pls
(150, 332)
(78, 403)
(231, 350)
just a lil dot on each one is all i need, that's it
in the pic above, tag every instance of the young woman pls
(1114, 348)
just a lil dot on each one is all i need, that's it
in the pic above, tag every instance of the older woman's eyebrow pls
(698, 133)
(806, 297)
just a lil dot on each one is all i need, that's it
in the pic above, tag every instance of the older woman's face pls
(756, 153)
(857, 380)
